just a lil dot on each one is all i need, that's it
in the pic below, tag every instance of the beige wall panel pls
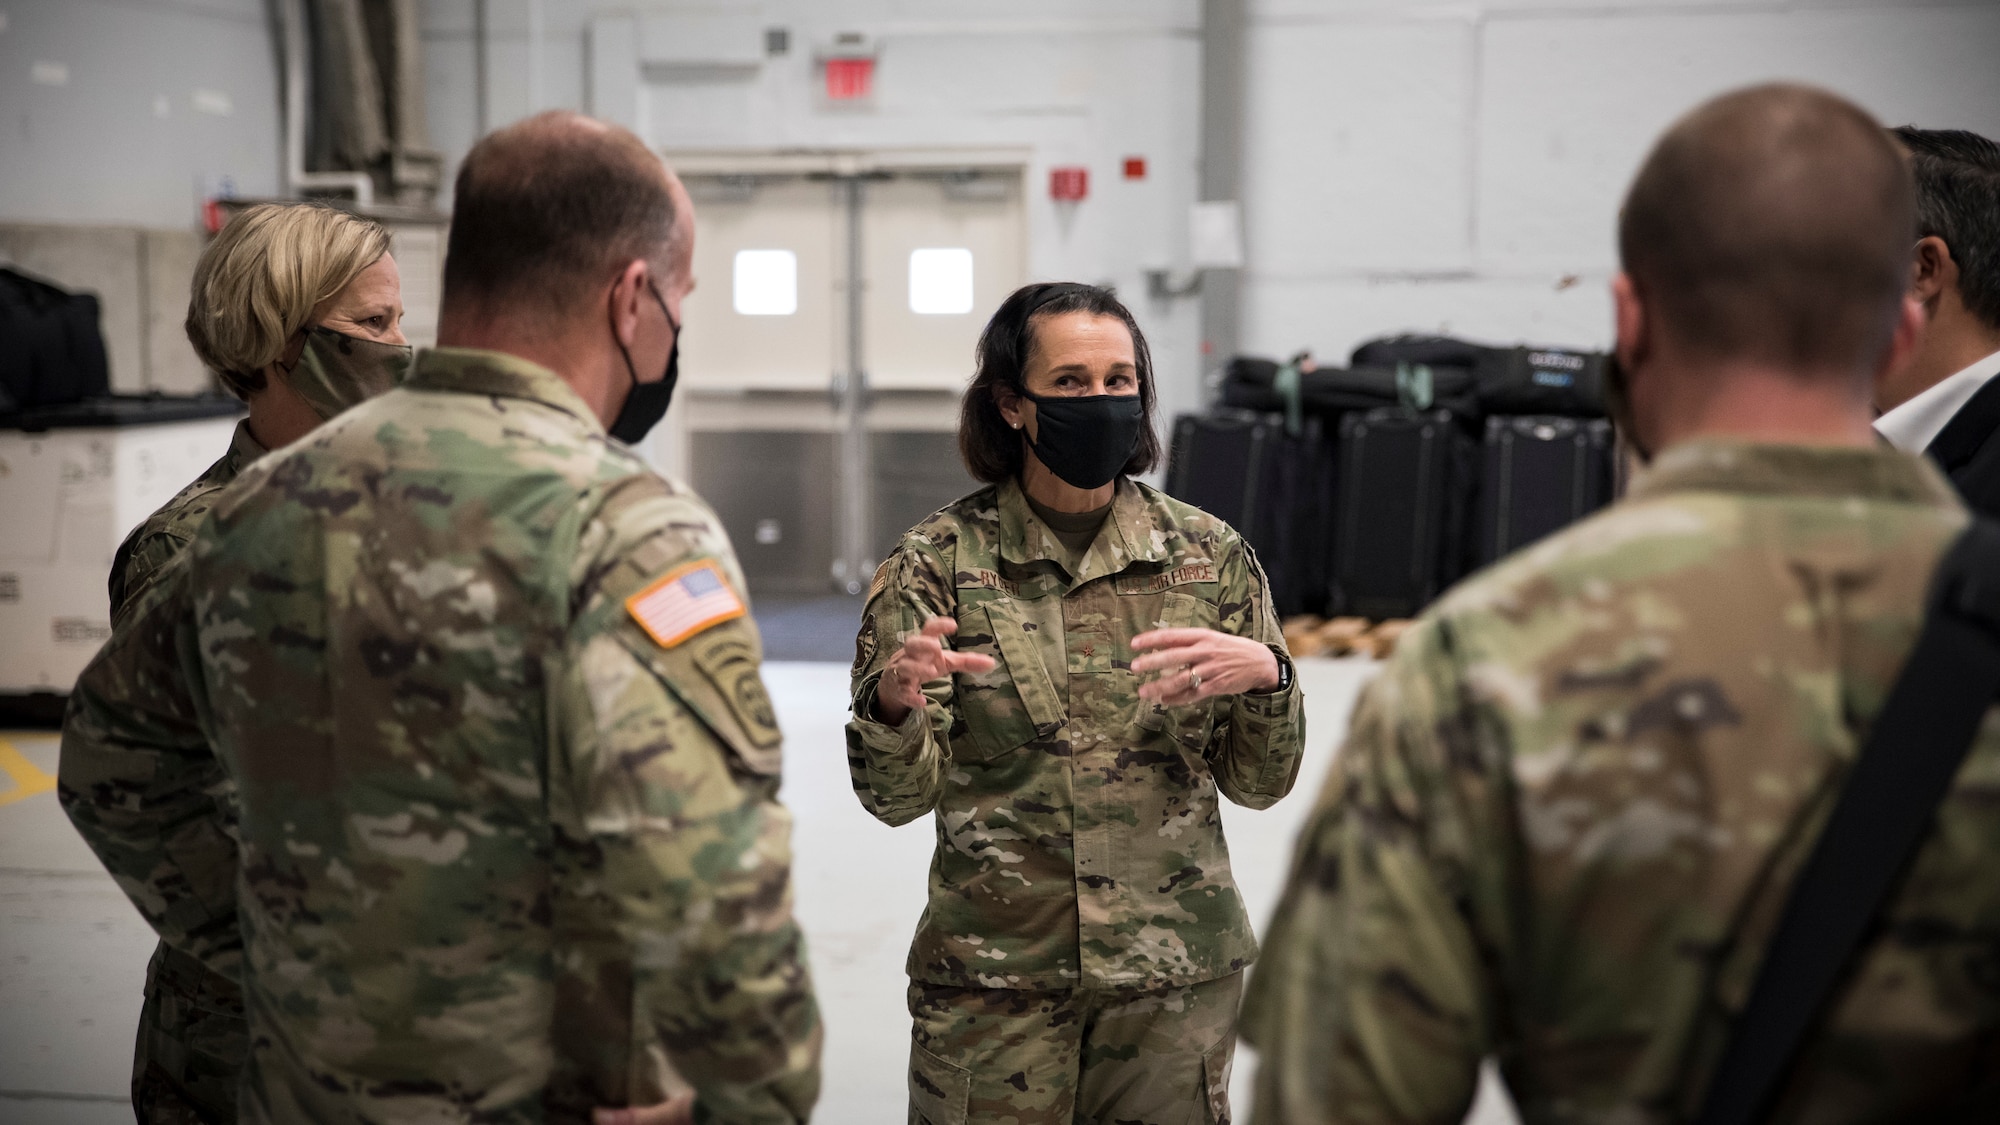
(419, 252)
(171, 364)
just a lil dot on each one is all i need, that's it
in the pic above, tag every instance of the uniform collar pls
(478, 372)
(1128, 534)
(1867, 473)
(244, 449)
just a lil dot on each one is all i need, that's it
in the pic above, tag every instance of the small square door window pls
(941, 281)
(766, 282)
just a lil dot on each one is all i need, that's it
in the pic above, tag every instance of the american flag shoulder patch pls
(684, 601)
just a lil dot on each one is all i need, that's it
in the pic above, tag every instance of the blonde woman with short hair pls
(274, 295)
(297, 308)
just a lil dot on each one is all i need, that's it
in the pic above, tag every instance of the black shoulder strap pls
(1883, 813)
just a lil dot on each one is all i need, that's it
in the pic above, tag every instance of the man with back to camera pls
(504, 768)
(1571, 807)
(1946, 402)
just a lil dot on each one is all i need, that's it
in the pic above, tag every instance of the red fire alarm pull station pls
(1069, 184)
(849, 79)
(1135, 167)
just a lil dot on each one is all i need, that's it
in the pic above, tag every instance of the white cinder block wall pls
(1066, 83)
(117, 118)
(130, 112)
(1427, 165)
(1457, 167)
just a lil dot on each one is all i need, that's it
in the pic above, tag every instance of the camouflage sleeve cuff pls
(1265, 745)
(1288, 676)
(1276, 702)
(904, 740)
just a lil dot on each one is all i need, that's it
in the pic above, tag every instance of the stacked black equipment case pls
(1251, 384)
(1271, 485)
(1402, 487)
(1505, 380)
(1365, 489)
(1541, 474)
(1213, 458)
(1548, 457)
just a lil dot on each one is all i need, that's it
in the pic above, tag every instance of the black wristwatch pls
(1284, 673)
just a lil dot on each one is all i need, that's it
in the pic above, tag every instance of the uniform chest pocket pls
(1190, 725)
(1015, 702)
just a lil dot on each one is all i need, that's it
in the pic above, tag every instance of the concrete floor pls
(73, 951)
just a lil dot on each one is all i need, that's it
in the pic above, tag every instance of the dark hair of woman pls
(993, 450)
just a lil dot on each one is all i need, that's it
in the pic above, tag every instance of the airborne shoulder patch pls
(1183, 575)
(684, 601)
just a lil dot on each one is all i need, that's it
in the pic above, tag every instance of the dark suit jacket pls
(1968, 450)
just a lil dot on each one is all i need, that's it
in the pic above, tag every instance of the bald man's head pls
(548, 210)
(1773, 225)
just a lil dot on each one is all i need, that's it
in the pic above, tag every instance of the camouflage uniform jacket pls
(1079, 839)
(505, 856)
(167, 532)
(192, 1022)
(1572, 806)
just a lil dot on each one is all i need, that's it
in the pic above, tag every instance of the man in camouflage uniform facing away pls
(504, 769)
(1570, 811)
(1082, 952)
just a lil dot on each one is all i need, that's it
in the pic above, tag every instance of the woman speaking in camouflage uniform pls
(1065, 667)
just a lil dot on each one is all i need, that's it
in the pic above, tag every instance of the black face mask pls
(646, 403)
(1087, 440)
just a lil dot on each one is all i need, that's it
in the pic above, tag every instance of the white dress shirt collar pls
(1912, 426)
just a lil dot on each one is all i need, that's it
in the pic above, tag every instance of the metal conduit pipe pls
(1224, 26)
(292, 17)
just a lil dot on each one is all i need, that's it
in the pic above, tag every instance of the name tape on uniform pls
(1187, 574)
(982, 579)
(684, 601)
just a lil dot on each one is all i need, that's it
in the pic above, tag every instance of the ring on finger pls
(1194, 680)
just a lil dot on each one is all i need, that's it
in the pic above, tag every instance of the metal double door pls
(830, 337)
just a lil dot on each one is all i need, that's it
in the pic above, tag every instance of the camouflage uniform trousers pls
(1143, 1056)
(191, 1043)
